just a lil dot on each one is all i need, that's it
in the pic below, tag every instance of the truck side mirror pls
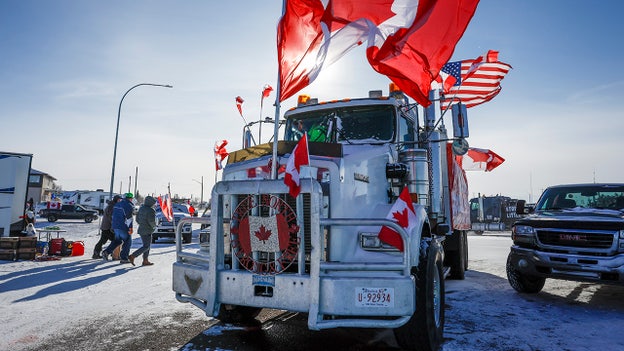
(460, 120)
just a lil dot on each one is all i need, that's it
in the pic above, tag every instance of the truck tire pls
(52, 218)
(154, 238)
(458, 259)
(237, 314)
(425, 330)
(187, 238)
(88, 219)
(523, 283)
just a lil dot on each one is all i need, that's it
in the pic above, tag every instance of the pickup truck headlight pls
(523, 234)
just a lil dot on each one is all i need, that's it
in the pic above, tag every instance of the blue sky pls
(64, 66)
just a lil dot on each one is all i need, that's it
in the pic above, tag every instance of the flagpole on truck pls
(278, 91)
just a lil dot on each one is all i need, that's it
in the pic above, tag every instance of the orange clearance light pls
(394, 88)
(303, 99)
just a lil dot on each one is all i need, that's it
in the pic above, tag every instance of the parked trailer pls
(14, 174)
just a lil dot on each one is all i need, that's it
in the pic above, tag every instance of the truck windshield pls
(590, 196)
(360, 124)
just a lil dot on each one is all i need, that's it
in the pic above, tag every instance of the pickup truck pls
(70, 212)
(574, 232)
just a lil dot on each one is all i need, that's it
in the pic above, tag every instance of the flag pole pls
(277, 106)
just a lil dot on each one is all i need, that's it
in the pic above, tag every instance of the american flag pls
(472, 82)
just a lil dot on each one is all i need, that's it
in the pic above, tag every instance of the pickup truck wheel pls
(523, 283)
(88, 219)
(186, 239)
(52, 218)
(154, 238)
(237, 314)
(459, 258)
(425, 330)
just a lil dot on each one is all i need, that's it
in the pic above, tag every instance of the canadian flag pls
(404, 214)
(239, 104)
(299, 157)
(220, 153)
(166, 207)
(54, 205)
(266, 234)
(479, 160)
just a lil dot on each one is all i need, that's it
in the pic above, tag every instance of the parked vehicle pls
(574, 232)
(95, 200)
(70, 212)
(492, 213)
(320, 252)
(14, 173)
(166, 229)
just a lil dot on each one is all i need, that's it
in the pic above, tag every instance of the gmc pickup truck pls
(574, 232)
(70, 212)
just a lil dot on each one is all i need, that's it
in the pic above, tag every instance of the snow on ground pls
(81, 303)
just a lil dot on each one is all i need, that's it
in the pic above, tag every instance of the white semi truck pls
(14, 174)
(319, 253)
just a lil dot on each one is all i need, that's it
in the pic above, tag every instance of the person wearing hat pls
(121, 224)
(106, 232)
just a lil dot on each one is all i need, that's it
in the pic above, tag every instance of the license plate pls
(374, 297)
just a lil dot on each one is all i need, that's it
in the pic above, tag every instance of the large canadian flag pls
(407, 40)
(477, 159)
(299, 157)
(404, 214)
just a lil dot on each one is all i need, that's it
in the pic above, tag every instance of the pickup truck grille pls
(576, 239)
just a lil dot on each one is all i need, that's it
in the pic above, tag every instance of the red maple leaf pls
(401, 217)
(263, 234)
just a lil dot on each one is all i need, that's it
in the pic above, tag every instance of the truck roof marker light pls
(375, 94)
(303, 99)
(394, 88)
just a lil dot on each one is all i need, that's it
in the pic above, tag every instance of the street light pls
(201, 201)
(110, 194)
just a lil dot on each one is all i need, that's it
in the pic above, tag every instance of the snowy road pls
(82, 304)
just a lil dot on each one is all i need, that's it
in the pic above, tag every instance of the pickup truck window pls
(590, 196)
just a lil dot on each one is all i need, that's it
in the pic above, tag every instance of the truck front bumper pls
(588, 268)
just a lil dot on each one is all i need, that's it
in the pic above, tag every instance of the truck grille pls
(576, 239)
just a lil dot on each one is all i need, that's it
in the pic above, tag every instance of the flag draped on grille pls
(472, 82)
(408, 41)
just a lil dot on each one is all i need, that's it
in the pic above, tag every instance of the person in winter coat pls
(122, 225)
(106, 233)
(146, 219)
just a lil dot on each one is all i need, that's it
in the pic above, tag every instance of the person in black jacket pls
(106, 233)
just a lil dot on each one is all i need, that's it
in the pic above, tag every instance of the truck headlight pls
(371, 242)
(523, 234)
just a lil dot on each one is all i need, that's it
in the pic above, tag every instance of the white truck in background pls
(94, 200)
(14, 174)
(319, 253)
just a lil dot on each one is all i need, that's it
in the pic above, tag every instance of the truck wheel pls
(458, 258)
(88, 219)
(186, 239)
(154, 238)
(52, 218)
(237, 314)
(478, 232)
(522, 282)
(424, 331)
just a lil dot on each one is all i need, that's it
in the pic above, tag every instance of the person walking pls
(121, 223)
(106, 232)
(146, 219)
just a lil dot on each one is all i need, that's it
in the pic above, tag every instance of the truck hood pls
(579, 218)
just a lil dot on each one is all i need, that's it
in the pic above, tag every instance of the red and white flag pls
(407, 42)
(479, 160)
(266, 91)
(239, 105)
(220, 153)
(266, 234)
(472, 82)
(404, 214)
(166, 207)
(299, 157)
